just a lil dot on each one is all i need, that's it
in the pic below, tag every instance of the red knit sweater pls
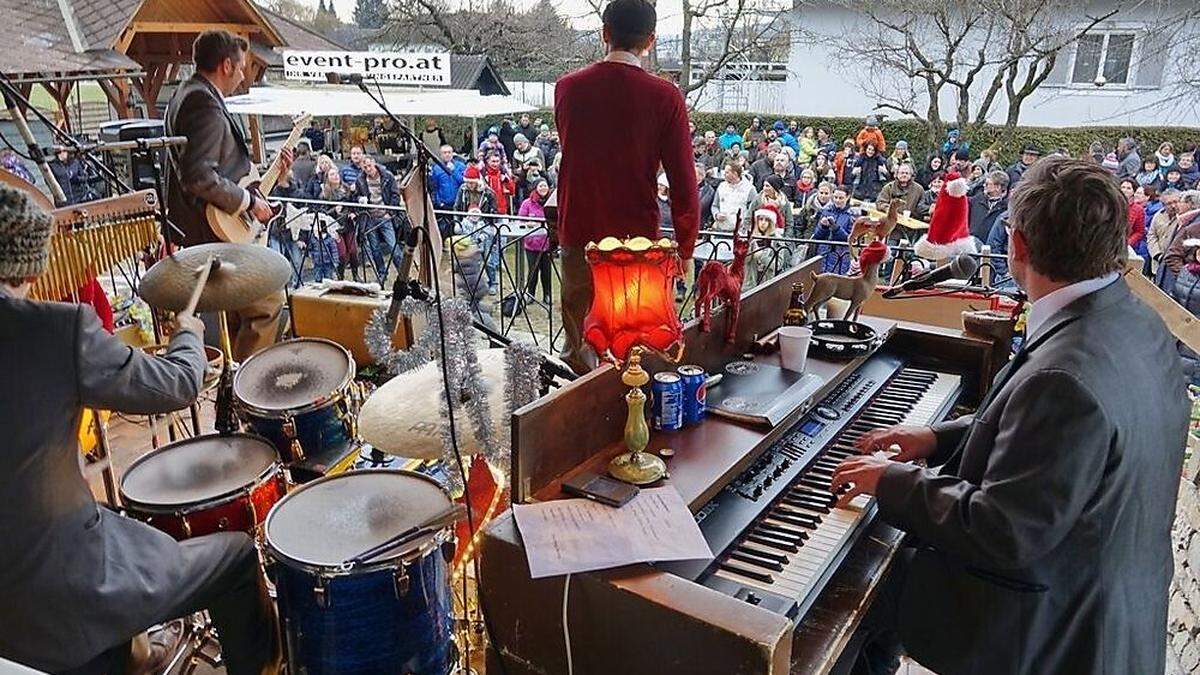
(617, 124)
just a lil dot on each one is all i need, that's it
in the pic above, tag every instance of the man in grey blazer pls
(207, 170)
(79, 580)
(1041, 531)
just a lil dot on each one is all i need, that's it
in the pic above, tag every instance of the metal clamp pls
(402, 581)
(321, 592)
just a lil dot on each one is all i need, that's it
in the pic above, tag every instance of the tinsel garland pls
(462, 369)
(522, 361)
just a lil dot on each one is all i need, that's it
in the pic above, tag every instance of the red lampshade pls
(633, 300)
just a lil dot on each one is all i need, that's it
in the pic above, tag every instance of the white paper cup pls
(793, 346)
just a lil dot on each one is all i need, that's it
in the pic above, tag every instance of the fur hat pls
(873, 254)
(24, 235)
(948, 233)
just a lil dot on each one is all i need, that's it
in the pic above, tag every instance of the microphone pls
(961, 266)
(400, 287)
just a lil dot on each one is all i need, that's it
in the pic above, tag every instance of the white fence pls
(760, 96)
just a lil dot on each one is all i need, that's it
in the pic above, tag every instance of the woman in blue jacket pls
(833, 224)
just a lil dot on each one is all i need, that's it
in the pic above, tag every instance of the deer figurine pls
(718, 281)
(855, 289)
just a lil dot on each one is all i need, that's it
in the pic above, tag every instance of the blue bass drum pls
(389, 616)
(297, 394)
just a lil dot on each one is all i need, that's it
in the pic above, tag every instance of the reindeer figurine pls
(855, 289)
(718, 281)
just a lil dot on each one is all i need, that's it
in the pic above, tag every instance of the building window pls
(1107, 54)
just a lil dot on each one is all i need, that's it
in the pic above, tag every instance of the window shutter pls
(1062, 63)
(1152, 59)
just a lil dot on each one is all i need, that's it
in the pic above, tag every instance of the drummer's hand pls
(189, 322)
(261, 210)
(913, 442)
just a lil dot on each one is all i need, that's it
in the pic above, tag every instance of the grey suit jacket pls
(207, 169)
(1045, 537)
(77, 579)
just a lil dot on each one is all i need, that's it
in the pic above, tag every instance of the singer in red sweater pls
(618, 124)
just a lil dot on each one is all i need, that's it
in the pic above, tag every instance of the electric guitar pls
(244, 228)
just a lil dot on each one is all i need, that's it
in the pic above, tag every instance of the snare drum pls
(204, 485)
(389, 615)
(297, 395)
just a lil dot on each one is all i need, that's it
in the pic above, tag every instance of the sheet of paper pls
(577, 535)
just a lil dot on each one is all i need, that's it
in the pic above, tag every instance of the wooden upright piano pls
(792, 575)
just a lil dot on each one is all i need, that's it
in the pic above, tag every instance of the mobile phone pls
(601, 489)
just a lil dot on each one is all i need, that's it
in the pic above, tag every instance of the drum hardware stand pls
(103, 459)
(226, 422)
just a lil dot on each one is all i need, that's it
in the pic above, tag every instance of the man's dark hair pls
(1073, 217)
(212, 47)
(630, 23)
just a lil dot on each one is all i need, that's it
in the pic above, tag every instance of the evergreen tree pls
(370, 13)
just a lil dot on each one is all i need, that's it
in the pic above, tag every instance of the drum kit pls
(388, 611)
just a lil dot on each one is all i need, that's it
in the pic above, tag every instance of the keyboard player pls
(1042, 527)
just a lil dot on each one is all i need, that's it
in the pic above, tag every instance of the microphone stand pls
(404, 287)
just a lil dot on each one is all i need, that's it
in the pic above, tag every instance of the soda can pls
(666, 412)
(695, 393)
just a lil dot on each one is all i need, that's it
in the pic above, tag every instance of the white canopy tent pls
(337, 100)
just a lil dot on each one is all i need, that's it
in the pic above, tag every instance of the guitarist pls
(207, 169)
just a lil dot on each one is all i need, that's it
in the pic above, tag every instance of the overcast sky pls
(578, 10)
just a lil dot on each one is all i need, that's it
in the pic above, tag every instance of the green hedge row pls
(1076, 140)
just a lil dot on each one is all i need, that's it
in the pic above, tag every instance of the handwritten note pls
(578, 535)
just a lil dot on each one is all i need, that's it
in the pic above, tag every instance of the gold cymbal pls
(245, 274)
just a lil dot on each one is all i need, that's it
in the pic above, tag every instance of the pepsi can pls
(695, 393)
(666, 413)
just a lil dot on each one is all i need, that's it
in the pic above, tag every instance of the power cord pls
(566, 627)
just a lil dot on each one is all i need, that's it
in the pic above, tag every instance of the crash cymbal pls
(245, 273)
(403, 416)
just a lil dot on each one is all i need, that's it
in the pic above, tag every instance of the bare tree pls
(534, 40)
(978, 53)
(734, 29)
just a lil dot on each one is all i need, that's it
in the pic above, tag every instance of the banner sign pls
(415, 68)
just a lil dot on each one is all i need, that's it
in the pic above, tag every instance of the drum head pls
(336, 518)
(197, 470)
(292, 374)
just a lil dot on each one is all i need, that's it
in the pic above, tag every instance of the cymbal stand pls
(227, 422)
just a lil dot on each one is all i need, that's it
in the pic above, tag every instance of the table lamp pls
(633, 309)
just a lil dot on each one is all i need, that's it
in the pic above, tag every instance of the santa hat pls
(948, 233)
(873, 254)
(768, 211)
(472, 173)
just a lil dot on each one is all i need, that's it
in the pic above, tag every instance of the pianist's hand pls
(859, 475)
(915, 442)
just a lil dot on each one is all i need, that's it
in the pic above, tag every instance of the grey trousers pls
(255, 327)
(222, 576)
(576, 293)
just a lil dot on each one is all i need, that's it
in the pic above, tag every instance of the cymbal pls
(403, 416)
(246, 274)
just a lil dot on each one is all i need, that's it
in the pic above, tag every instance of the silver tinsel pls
(462, 369)
(522, 360)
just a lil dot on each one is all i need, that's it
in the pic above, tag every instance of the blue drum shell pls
(363, 628)
(316, 430)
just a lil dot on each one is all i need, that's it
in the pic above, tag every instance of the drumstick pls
(203, 273)
(446, 517)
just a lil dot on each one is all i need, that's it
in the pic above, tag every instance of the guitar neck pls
(271, 177)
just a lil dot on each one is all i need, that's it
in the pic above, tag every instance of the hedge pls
(1076, 140)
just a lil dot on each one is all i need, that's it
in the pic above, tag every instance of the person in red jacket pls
(500, 181)
(616, 104)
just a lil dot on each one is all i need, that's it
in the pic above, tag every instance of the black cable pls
(13, 148)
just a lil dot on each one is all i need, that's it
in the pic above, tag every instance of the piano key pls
(741, 554)
(772, 542)
(747, 572)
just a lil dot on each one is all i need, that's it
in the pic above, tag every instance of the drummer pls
(79, 580)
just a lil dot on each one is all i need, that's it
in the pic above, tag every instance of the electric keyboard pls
(775, 529)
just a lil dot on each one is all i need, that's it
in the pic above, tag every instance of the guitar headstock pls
(302, 120)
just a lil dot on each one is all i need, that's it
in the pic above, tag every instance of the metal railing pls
(506, 285)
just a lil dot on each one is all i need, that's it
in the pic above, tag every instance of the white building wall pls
(824, 82)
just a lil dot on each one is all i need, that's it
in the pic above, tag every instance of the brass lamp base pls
(639, 468)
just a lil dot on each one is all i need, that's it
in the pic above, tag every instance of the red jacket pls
(502, 185)
(617, 124)
(1137, 223)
